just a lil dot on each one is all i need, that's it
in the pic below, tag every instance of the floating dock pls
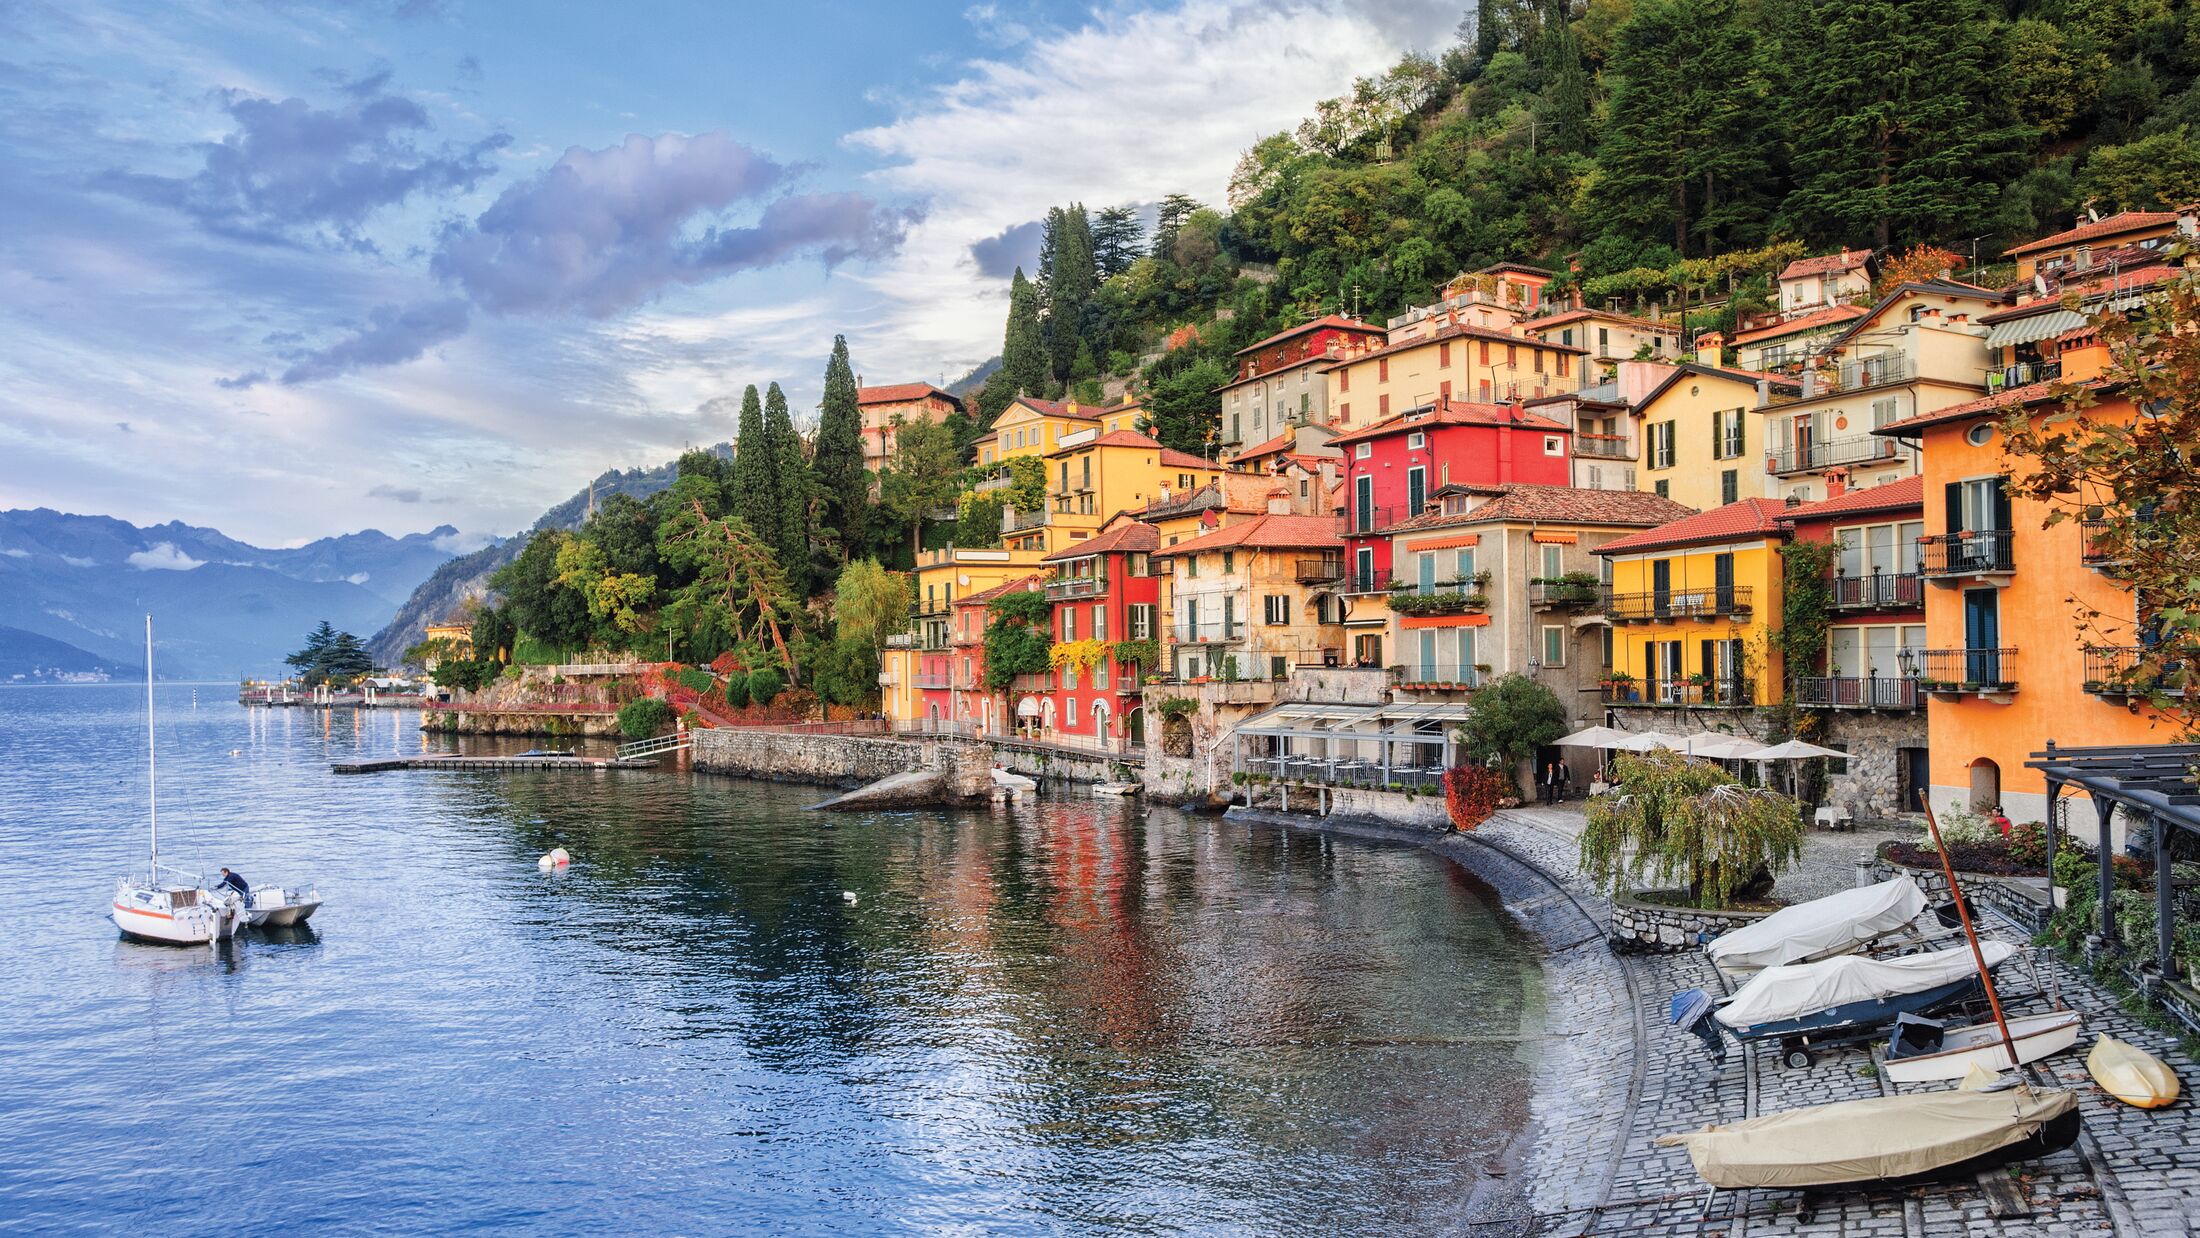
(429, 761)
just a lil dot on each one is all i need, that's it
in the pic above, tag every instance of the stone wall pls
(1662, 929)
(2021, 899)
(1196, 772)
(1871, 790)
(1058, 766)
(552, 726)
(824, 760)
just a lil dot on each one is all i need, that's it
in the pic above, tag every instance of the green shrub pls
(737, 688)
(643, 718)
(694, 680)
(765, 684)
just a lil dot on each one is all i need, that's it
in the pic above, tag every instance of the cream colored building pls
(1700, 438)
(1254, 600)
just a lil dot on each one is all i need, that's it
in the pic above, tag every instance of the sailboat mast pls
(152, 790)
(1978, 956)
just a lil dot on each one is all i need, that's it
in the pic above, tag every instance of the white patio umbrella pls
(1648, 740)
(1793, 750)
(1594, 737)
(1720, 747)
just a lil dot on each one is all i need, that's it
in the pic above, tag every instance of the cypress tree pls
(756, 470)
(1067, 277)
(844, 492)
(1023, 350)
(1116, 239)
(790, 534)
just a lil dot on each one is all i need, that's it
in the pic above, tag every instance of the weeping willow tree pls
(1672, 820)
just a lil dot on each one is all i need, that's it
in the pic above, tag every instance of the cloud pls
(16, 552)
(242, 382)
(357, 578)
(456, 543)
(1017, 245)
(124, 426)
(163, 557)
(401, 494)
(601, 231)
(73, 561)
(393, 334)
(289, 170)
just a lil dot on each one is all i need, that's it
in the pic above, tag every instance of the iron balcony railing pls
(1833, 453)
(1857, 692)
(1966, 670)
(1854, 375)
(1878, 591)
(1971, 553)
(1437, 675)
(1076, 587)
(924, 680)
(1369, 581)
(2136, 670)
(2021, 374)
(1661, 605)
(1719, 692)
(1604, 446)
(1375, 519)
(1547, 593)
(2094, 548)
(1208, 633)
(1319, 571)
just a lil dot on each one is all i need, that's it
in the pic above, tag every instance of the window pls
(1275, 610)
(1229, 562)
(1279, 667)
(1553, 568)
(1661, 445)
(1141, 616)
(1512, 356)
(1382, 405)
(1416, 441)
(1100, 675)
(1485, 350)
(1344, 379)
(1191, 566)
(1554, 645)
(1099, 622)
(1069, 624)
(1361, 451)
(1980, 434)
(1730, 486)
(1727, 434)
(1416, 490)
(1538, 359)
(1553, 445)
(1237, 429)
(1443, 354)
(1141, 564)
(1229, 614)
(1382, 369)
(1604, 341)
(1566, 337)
(1443, 391)
(1663, 489)
(1485, 391)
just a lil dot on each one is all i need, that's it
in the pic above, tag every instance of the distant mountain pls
(967, 386)
(27, 657)
(468, 575)
(220, 606)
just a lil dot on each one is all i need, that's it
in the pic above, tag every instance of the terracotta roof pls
(1745, 519)
(1113, 438)
(1682, 369)
(2033, 393)
(1560, 320)
(2124, 221)
(1458, 331)
(1634, 509)
(1282, 442)
(1266, 532)
(1929, 287)
(1895, 495)
(1846, 260)
(1337, 321)
(1831, 316)
(2124, 281)
(1184, 460)
(1055, 408)
(1130, 535)
(1453, 413)
(1022, 584)
(901, 393)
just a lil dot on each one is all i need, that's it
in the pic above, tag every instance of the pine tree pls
(756, 489)
(1168, 221)
(1067, 278)
(1023, 352)
(844, 492)
(790, 536)
(1565, 108)
(1116, 240)
(1898, 129)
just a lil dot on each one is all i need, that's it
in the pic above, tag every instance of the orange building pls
(882, 407)
(2006, 667)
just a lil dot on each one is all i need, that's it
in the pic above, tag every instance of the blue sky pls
(297, 269)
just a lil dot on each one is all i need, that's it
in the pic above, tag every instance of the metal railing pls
(1832, 453)
(1969, 553)
(653, 747)
(1659, 606)
(1077, 587)
(1546, 593)
(1691, 691)
(1357, 582)
(1208, 633)
(2021, 374)
(1850, 376)
(1437, 674)
(932, 681)
(1857, 692)
(2094, 550)
(1319, 571)
(1878, 591)
(2119, 670)
(1965, 670)
(1376, 519)
(1604, 446)
(1441, 600)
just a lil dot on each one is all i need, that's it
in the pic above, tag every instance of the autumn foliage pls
(1472, 793)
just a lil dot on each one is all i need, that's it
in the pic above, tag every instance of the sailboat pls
(180, 911)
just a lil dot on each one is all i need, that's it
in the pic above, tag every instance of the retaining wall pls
(1662, 929)
(844, 761)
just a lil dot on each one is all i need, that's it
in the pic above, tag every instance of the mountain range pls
(27, 657)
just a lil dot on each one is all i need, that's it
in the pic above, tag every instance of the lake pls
(1078, 1016)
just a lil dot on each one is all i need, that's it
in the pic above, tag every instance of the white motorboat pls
(280, 906)
(1823, 928)
(159, 908)
(1922, 1050)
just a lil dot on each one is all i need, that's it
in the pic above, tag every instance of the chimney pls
(1279, 502)
(1794, 501)
(1837, 483)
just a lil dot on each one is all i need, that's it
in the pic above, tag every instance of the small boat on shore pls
(1845, 923)
(1835, 1001)
(1923, 1049)
(2131, 1074)
(1922, 1137)
(1115, 788)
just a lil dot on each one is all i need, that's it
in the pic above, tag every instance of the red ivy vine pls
(1472, 793)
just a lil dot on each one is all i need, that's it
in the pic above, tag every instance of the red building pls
(1103, 591)
(909, 402)
(1279, 381)
(1392, 469)
(1877, 599)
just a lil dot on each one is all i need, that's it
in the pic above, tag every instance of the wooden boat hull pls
(2036, 1036)
(2131, 1074)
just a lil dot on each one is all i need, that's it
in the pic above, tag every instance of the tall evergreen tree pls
(1067, 277)
(790, 534)
(1023, 351)
(1116, 240)
(756, 488)
(1565, 108)
(1168, 221)
(844, 493)
(1898, 129)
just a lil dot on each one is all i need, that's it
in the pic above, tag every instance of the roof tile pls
(1266, 532)
(1746, 518)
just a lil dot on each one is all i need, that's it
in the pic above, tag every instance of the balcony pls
(1975, 552)
(1067, 587)
(1565, 594)
(1964, 670)
(930, 680)
(2095, 550)
(2136, 670)
(1733, 601)
(1603, 446)
(1859, 375)
(2021, 374)
(1834, 453)
(1359, 582)
(1452, 599)
(1438, 676)
(1319, 571)
(1015, 521)
(1878, 591)
(1857, 692)
(1207, 633)
(1695, 691)
(1365, 520)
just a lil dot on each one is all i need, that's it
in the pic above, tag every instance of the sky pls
(297, 269)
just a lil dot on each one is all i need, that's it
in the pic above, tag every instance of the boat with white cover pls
(1837, 924)
(166, 906)
(1924, 1136)
(1922, 1049)
(1835, 1000)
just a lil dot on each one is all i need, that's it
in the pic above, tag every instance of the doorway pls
(1985, 785)
(1913, 778)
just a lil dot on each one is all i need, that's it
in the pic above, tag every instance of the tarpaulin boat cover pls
(1794, 990)
(1826, 925)
(1867, 1140)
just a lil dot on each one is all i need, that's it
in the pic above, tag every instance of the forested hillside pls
(1624, 143)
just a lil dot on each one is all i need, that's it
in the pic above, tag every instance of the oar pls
(1978, 956)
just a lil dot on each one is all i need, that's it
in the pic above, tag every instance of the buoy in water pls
(556, 857)
(847, 896)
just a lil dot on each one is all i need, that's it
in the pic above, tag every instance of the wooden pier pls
(378, 765)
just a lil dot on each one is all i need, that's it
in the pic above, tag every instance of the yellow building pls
(1453, 362)
(1699, 447)
(1093, 476)
(919, 661)
(458, 638)
(1034, 427)
(1241, 602)
(1692, 606)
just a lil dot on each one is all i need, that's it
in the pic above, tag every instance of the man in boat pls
(235, 881)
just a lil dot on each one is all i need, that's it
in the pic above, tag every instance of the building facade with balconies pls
(1698, 446)
(1237, 603)
(917, 671)
(1280, 381)
(1610, 337)
(1438, 361)
(1095, 474)
(883, 408)
(1692, 607)
(1105, 601)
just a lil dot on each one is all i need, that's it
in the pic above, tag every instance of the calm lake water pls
(1079, 1017)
